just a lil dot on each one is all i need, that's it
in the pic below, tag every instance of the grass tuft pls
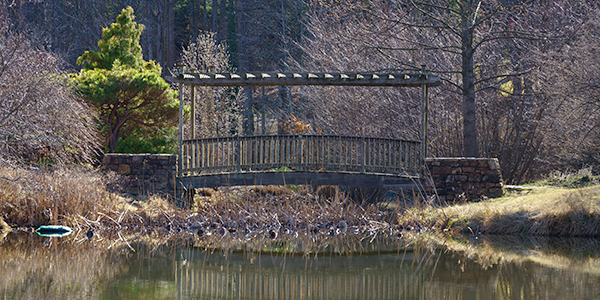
(570, 179)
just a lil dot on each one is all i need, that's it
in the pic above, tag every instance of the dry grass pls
(75, 197)
(257, 218)
(36, 197)
(542, 212)
(278, 218)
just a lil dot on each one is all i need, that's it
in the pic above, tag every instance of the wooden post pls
(180, 160)
(193, 116)
(424, 117)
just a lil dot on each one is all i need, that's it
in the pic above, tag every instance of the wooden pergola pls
(420, 79)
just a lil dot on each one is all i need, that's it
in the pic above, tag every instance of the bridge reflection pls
(390, 276)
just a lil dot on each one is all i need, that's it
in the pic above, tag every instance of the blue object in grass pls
(54, 230)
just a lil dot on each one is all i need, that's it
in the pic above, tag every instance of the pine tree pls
(127, 92)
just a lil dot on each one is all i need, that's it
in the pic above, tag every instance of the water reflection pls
(76, 269)
(34, 267)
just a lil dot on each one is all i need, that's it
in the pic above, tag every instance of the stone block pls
(468, 169)
(461, 178)
(133, 190)
(490, 178)
(124, 169)
(493, 164)
(161, 186)
(495, 192)
(456, 170)
(442, 170)
(138, 158)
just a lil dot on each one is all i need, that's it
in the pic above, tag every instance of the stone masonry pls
(144, 173)
(454, 179)
(463, 178)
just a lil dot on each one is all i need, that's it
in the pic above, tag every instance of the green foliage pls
(120, 41)
(151, 141)
(578, 179)
(128, 93)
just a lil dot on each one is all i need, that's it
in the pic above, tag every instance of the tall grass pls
(32, 197)
(278, 218)
(543, 213)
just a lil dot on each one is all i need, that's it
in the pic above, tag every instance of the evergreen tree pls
(127, 92)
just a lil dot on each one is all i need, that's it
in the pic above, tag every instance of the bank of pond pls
(279, 242)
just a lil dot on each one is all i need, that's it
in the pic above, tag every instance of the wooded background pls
(521, 78)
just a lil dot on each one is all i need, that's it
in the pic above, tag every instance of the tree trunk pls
(242, 58)
(193, 19)
(470, 146)
(170, 47)
(214, 12)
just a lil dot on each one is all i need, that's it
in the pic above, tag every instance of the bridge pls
(301, 159)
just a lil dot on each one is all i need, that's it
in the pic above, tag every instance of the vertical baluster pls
(323, 154)
(197, 155)
(391, 161)
(300, 151)
(364, 155)
(210, 153)
(213, 156)
(252, 146)
(240, 152)
(219, 153)
(382, 154)
(201, 153)
(272, 152)
(205, 153)
(407, 162)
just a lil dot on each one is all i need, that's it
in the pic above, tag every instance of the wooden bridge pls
(301, 159)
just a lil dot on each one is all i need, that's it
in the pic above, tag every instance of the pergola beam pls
(306, 78)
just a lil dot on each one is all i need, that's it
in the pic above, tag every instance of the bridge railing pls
(300, 152)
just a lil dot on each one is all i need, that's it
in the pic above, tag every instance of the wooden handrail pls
(332, 153)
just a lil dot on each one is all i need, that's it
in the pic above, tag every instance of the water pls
(33, 267)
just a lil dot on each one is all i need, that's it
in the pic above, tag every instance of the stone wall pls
(144, 173)
(453, 178)
(463, 178)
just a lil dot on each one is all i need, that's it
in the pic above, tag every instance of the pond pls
(33, 267)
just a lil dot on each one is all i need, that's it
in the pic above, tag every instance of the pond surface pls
(33, 267)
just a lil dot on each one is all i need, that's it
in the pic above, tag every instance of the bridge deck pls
(300, 159)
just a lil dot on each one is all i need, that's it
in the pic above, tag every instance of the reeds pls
(278, 218)
(32, 197)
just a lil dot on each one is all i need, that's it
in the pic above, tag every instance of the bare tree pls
(219, 109)
(41, 120)
(570, 73)
(513, 114)
(455, 39)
